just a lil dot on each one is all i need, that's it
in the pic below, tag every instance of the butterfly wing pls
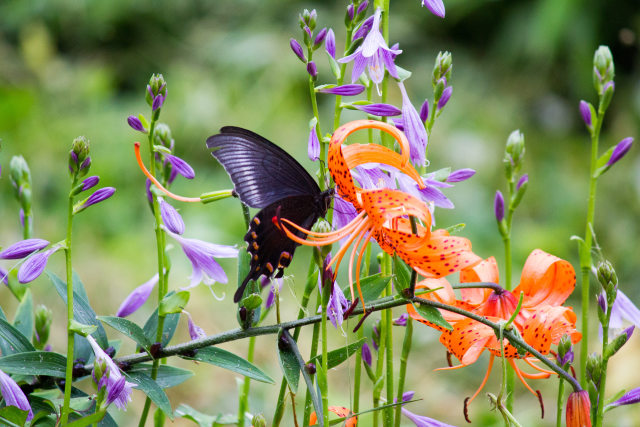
(262, 173)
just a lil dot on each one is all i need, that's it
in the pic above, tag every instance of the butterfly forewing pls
(262, 173)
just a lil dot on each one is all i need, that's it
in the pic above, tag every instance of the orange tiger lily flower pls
(383, 213)
(341, 412)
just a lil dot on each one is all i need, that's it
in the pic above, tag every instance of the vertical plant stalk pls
(316, 114)
(162, 283)
(599, 413)
(404, 357)
(388, 412)
(506, 238)
(560, 401)
(324, 387)
(68, 378)
(243, 407)
(377, 388)
(312, 353)
(27, 230)
(337, 111)
(358, 369)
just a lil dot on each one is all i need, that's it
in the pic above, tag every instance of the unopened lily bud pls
(442, 68)
(259, 421)
(579, 409)
(43, 317)
(157, 86)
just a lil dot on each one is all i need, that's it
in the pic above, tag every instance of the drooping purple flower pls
(523, 180)
(202, 254)
(629, 398)
(97, 197)
(157, 102)
(585, 111)
(182, 167)
(137, 297)
(374, 54)
(366, 354)
(343, 212)
(297, 49)
(195, 331)
(23, 248)
(435, 6)
(330, 43)
(623, 311)
(498, 206)
(364, 28)
(13, 394)
(313, 147)
(136, 124)
(322, 34)
(33, 267)
(429, 194)
(414, 129)
(338, 303)
(271, 297)
(402, 320)
(446, 95)
(90, 182)
(382, 110)
(4, 276)
(422, 421)
(460, 175)
(170, 217)
(344, 90)
(371, 176)
(118, 389)
(620, 150)
(424, 111)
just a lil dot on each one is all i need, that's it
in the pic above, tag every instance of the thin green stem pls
(68, 378)
(510, 374)
(324, 387)
(603, 376)
(244, 396)
(404, 357)
(27, 230)
(312, 353)
(388, 325)
(357, 375)
(316, 114)
(560, 402)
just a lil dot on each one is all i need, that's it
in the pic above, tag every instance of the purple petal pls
(602, 302)
(137, 297)
(195, 331)
(435, 6)
(498, 206)
(620, 150)
(21, 215)
(446, 95)
(86, 163)
(363, 6)
(312, 69)
(148, 189)
(628, 398)
(182, 167)
(364, 28)
(382, 110)
(330, 43)
(422, 421)
(33, 267)
(23, 248)
(13, 394)
(117, 392)
(343, 212)
(402, 320)
(322, 34)
(313, 147)
(157, 102)
(99, 196)
(170, 217)
(4, 276)
(336, 306)
(424, 111)
(407, 395)
(350, 11)
(271, 298)
(414, 129)
(135, 124)
(366, 354)
(344, 90)
(297, 49)
(523, 179)
(460, 175)
(359, 64)
(585, 111)
(399, 123)
(90, 182)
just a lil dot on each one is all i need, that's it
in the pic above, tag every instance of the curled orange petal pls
(546, 280)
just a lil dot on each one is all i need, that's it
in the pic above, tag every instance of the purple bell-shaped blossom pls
(271, 297)
(195, 331)
(137, 297)
(414, 129)
(13, 394)
(118, 389)
(629, 398)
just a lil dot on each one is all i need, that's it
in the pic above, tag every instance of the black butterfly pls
(268, 178)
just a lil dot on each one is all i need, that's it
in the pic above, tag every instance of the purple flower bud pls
(297, 49)
(90, 182)
(136, 124)
(33, 267)
(382, 110)
(435, 6)
(446, 94)
(344, 90)
(350, 12)
(407, 395)
(13, 394)
(86, 163)
(311, 69)
(602, 302)
(621, 149)
(498, 206)
(99, 196)
(424, 110)
(170, 217)
(606, 87)
(137, 297)
(4, 276)
(567, 358)
(148, 190)
(330, 43)
(182, 167)
(366, 354)
(460, 175)
(402, 320)
(585, 111)
(313, 148)
(195, 331)
(157, 102)
(23, 248)
(74, 156)
(523, 180)
(21, 215)
(399, 123)
(322, 34)
(628, 398)
(308, 31)
(363, 6)
(629, 331)
(271, 298)
(364, 28)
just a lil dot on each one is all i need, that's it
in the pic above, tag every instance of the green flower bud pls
(617, 343)
(20, 177)
(79, 160)
(163, 135)
(157, 86)
(565, 350)
(100, 369)
(43, 317)
(442, 67)
(322, 226)
(603, 68)
(514, 154)
(607, 277)
(259, 421)
(594, 367)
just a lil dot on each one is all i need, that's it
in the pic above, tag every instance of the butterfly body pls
(268, 178)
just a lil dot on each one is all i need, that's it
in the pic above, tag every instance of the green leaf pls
(82, 329)
(23, 320)
(5, 347)
(152, 390)
(335, 67)
(170, 324)
(402, 74)
(88, 419)
(168, 376)
(432, 314)
(372, 286)
(251, 301)
(288, 364)
(174, 303)
(13, 416)
(203, 420)
(34, 363)
(456, 228)
(336, 357)
(227, 360)
(402, 273)
(13, 339)
(82, 311)
(128, 328)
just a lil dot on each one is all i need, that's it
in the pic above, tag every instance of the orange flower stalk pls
(339, 411)
(383, 214)
(546, 283)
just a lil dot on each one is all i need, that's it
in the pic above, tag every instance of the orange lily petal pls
(486, 271)
(547, 325)
(341, 412)
(467, 340)
(546, 279)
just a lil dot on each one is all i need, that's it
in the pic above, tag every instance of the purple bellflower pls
(620, 150)
(374, 54)
(629, 398)
(118, 389)
(271, 297)
(330, 43)
(23, 248)
(13, 394)
(414, 129)
(623, 311)
(498, 206)
(137, 297)
(343, 212)
(182, 167)
(170, 217)
(402, 320)
(202, 254)
(364, 28)
(344, 90)
(429, 194)
(33, 267)
(435, 6)
(195, 331)
(381, 110)
(313, 148)
(338, 303)
(419, 420)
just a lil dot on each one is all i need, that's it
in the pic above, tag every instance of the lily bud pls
(579, 409)
(259, 421)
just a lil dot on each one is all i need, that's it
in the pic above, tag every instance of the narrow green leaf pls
(227, 360)
(152, 390)
(432, 314)
(82, 329)
(87, 420)
(78, 287)
(288, 364)
(23, 320)
(174, 303)
(337, 356)
(168, 376)
(335, 67)
(402, 274)
(5, 348)
(203, 420)
(170, 324)
(456, 228)
(371, 286)
(128, 328)
(34, 363)
(13, 416)
(13, 340)
(402, 74)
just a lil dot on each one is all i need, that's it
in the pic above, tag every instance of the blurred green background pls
(72, 68)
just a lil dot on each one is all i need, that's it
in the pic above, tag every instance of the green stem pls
(316, 114)
(312, 353)
(388, 412)
(404, 357)
(244, 397)
(68, 378)
(603, 376)
(357, 375)
(510, 374)
(324, 389)
(560, 402)
(382, 344)
(27, 230)
(337, 110)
